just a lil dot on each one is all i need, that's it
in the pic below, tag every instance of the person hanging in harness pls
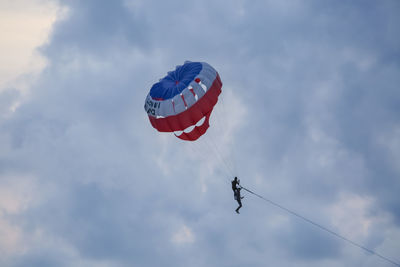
(236, 193)
(235, 184)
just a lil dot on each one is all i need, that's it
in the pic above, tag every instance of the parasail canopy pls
(182, 101)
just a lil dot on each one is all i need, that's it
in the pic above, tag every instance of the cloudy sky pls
(309, 117)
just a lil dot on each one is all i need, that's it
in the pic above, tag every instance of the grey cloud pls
(318, 92)
(97, 28)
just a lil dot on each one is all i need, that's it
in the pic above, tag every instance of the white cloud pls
(350, 215)
(17, 194)
(25, 25)
(11, 241)
(184, 235)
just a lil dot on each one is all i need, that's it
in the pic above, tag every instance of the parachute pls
(182, 101)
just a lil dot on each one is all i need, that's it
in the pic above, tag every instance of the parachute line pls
(220, 126)
(219, 154)
(321, 227)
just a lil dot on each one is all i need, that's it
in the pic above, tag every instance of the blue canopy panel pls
(176, 81)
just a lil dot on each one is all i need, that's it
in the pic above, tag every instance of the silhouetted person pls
(235, 184)
(236, 192)
(238, 199)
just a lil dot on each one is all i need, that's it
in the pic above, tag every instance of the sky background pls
(309, 117)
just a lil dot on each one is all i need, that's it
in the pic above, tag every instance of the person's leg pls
(240, 205)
